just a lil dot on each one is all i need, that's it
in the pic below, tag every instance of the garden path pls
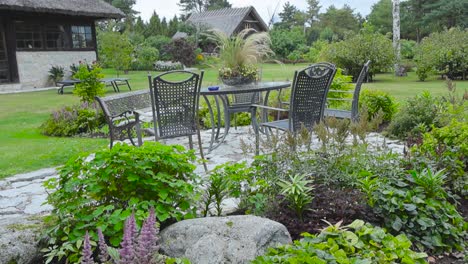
(24, 195)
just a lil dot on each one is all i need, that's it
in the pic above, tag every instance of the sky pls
(168, 8)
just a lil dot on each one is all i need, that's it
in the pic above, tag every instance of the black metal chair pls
(119, 111)
(307, 102)
(354, 113)
(175, 106)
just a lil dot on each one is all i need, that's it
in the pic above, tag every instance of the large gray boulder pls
(19, 240)
(231, 239)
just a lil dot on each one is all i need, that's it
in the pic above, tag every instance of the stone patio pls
(24, 195)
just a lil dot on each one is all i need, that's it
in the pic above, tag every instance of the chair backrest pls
(176, 103)
(309, 94)
(357, 90)
(114, 105)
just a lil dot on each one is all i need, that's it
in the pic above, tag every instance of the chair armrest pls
(270, 108)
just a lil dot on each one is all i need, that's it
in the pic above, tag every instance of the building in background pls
(38, 34)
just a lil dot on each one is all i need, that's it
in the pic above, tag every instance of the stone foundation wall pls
(33, 67)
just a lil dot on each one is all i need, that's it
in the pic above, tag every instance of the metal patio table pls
(221, 95)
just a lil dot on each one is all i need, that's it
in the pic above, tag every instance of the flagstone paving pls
(24, 194)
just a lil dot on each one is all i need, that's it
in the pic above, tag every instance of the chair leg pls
(129, 133)
(190, 142)
(201, 151)
(253, 112)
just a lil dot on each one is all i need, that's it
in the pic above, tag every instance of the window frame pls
(68, 41)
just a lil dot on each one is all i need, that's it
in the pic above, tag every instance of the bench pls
(123, 114)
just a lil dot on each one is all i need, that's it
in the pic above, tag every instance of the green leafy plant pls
(90, 85)
(445, 148)
(376, 101)
(240, 54)
(297, 190)
(56, 74)
(102, 191)
(74, 120)
(358, 242)
(145, 57)
(415, 204)
(420, 110)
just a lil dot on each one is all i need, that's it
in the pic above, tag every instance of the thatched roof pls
(89, 8)
(227, 20)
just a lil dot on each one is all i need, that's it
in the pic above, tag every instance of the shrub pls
(417, 205)
(73, 120)
(145, 58)
(446, 149)
(103, 191)
(351, 53)
(56, 74)
(159, 42)
(182, 50)
(407, 48)
(90, 85)
(375, 101)
(315, 49)
(419, 113)
(358, 242)
(445, 52)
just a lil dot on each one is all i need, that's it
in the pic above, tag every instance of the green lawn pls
(24, 149)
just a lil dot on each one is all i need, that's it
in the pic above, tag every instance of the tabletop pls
(247, 88)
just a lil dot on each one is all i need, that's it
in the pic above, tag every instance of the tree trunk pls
(396, 36)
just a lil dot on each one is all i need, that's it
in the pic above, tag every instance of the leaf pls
(397, 224)
(409, 207)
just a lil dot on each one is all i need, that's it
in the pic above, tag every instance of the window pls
(28, 35)
(82, 37)
(55, 36)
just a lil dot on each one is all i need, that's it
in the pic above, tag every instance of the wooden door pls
(4, 65)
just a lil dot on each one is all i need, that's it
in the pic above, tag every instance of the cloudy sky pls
(167, 8)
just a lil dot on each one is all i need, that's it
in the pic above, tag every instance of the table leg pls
(128, 84)
(210, 109)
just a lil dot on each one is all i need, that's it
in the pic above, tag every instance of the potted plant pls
(240, 55)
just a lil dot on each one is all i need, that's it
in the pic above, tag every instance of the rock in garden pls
(232, 239)
(19, 240)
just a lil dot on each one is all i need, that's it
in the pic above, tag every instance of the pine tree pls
(154, 26)
(313, 9)
(173, 26)
(217, 4)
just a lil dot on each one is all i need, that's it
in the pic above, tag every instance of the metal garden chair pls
(307, 102)
(175, 106)
(354, 113)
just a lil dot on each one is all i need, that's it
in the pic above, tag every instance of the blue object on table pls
(213, 88)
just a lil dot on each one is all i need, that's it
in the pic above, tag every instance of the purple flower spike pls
(148, 240)
(87, 253)
(103, 252)
(127, 254)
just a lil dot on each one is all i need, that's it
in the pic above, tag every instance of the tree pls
(396, 36)
(290, 17)
(313, 9)
(189, 6)
(381, 16)
(125, 5)
(173, 26)
(115, 50)
(284, 42)
(217, 4)
(154, 26)
(340, 20)
(139, 26)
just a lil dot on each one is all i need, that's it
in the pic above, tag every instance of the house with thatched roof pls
(38, 34)
(228, 20)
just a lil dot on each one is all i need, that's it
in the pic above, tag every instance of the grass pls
(24, 149)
